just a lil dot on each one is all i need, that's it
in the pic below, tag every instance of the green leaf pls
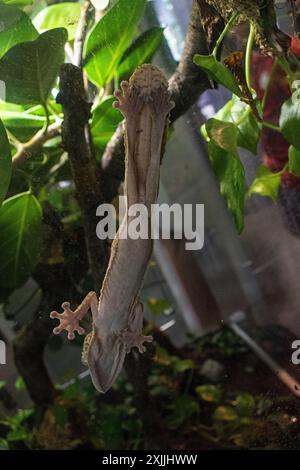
(18, 434)
(5, 163)
(15, 27)
(290, 122)
(58, 16)
(266, 183)
(21, 416)
(110, 38)
(141, 51)
(17, 3)
(294, 161)
(104, 123)
(231, 175)
(158, 306)
(225, 413)
(20, 224)
(22, 124)
(224, 134)
(30, 69)
(182, 365)
(249, 129)
(218, 72)
(4, 444)
(20, 384)
(184, 407)
(245, 404)
(240, 114)
(209, 393)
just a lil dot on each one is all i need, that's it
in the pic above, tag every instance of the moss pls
(260, 13)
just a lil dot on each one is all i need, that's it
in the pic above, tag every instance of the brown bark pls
(86, 174)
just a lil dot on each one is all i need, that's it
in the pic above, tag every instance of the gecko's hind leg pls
(132, 336)
(69, 320)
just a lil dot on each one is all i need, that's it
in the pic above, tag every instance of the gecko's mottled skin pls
(118, 316)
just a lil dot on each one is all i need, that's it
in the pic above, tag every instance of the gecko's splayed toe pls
(67, 321)
(131, 339)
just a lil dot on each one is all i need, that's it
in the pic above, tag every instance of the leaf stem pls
(286, 68)
(269, 125)
(224, 32)
(249, 54)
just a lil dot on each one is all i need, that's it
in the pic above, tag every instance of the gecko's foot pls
(130, 100)
(68, 320)
(131, 339)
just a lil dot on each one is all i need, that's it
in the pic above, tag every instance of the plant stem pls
(269, 125)
(249, 54)
(287, 69)
(224, 32)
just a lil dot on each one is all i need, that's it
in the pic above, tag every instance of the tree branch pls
(82, 28)
(186, 85)
(86, 174)
(34, 146)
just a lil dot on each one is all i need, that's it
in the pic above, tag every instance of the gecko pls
(117, 317)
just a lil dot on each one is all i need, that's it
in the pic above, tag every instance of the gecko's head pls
(105, 361)
(150, 85)
(148, 79)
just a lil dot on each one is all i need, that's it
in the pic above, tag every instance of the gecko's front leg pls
(69, 320)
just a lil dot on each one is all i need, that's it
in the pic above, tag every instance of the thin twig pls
(82, 28)
(33, 146)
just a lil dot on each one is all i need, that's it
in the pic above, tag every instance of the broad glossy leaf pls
(5, 163)
(22, 125)
(266, 183)
(294, 161)
(15, 27)
(290, 122)
(17, 3)
(29, 70)
(224, 134)
(141, 51)
(104, 123)
(231, 175)
(60, 15)
(110, 38)
(249, 129)
(20, 223)
(240, 114)
(22, 121)
(218, 72)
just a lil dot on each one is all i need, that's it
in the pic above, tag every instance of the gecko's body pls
(118, 316)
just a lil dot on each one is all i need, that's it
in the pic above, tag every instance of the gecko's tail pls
(105, 362)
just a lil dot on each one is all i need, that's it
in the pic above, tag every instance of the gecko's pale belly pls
(118, 307)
